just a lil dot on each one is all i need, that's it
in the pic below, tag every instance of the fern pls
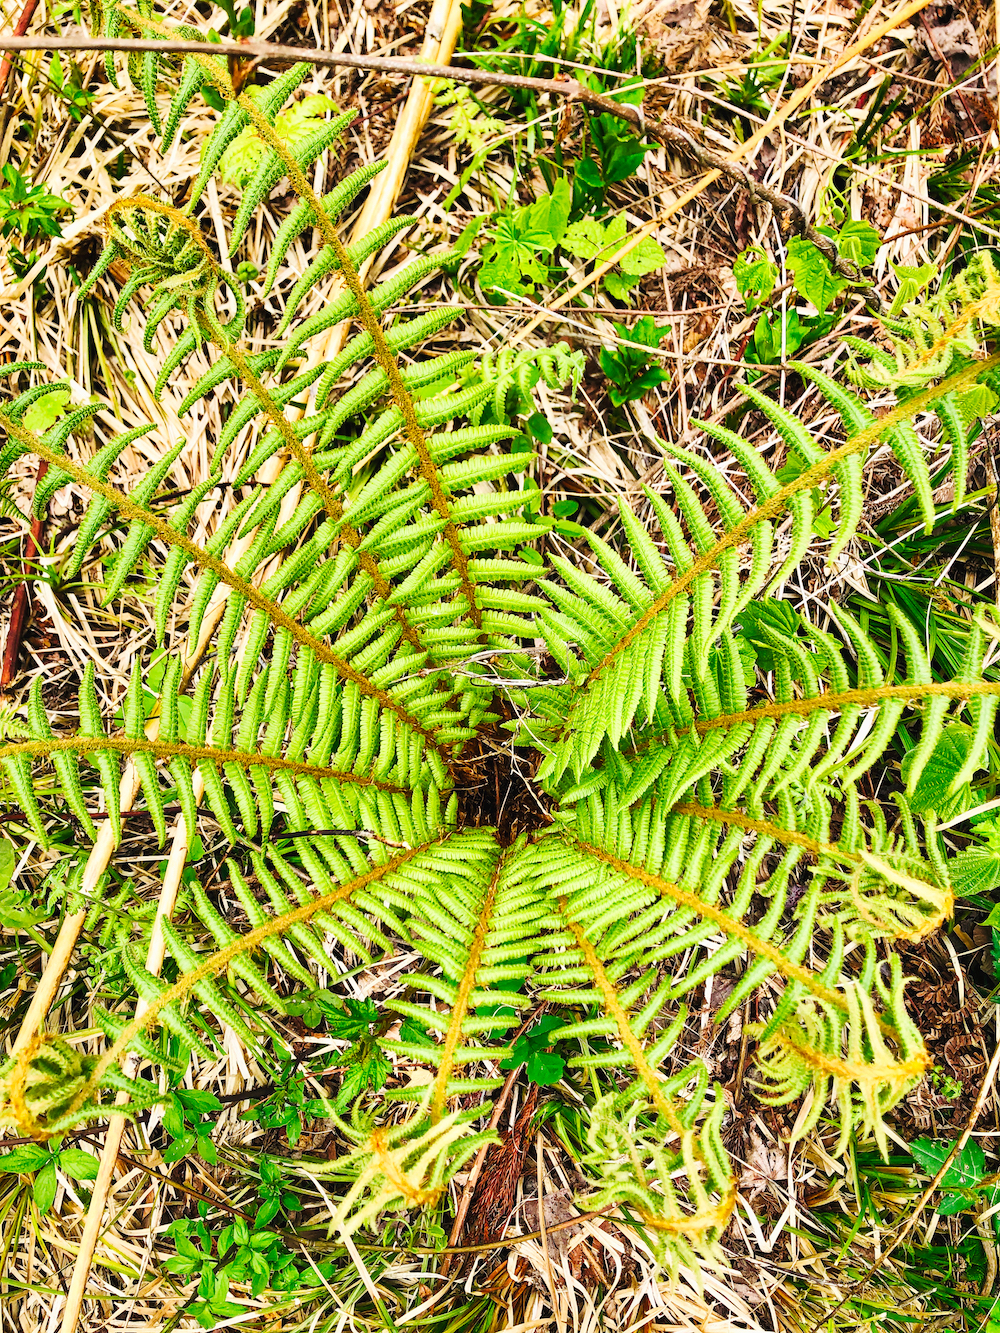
(370, 641)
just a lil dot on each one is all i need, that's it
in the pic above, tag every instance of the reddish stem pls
(22, 596)
(8, 61)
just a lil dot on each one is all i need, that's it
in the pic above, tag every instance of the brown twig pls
(470, 1185)
(21, 604)
(674, 134)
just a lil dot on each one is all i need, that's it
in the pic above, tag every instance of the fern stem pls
(466, 986)
(866, 1074)
(790, 837)
(867, 697)
(348, 534)
(83, 745)
(214, 963)
(704, 1220)
(129, 509)
(234, 351)
(303, 456)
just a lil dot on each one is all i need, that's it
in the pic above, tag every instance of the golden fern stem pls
(234, 351)
(790, 837)
(103, 849)
(231, 348)
(169, 749)
(465, 988)
(369, 320)
(129, 509)
(835, 702)
(866, 1075)
(214, 963)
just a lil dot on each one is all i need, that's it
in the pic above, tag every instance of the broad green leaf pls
(7, 862)
(46, 1184)
(755, 275)
(28, 1157)
(614, 231)
(199, 1100)
(912, 282)
(858, 243)
(544, 1068)
(78, 1164)
(811, 273)
(549, 214)
(770, 613)
(244, 155)
(977, 402)
(946, 761)
(647, 256)
(965, 1172)
(46, 412)
(949, 1204)
(367, 1073)
(619, 285)
(583, 239)
(17, 912)
(976, 870)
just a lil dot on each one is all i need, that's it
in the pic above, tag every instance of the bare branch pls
(680, 136)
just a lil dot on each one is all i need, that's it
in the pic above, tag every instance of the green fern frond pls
(272, 169)
(302, 215)
(848, 1061)
(641, 1162)
(402, 1166)
(696, 815)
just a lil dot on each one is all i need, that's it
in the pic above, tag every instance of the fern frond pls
(321, 686)
(641, 1162)
(272, 169)
(478, 923)
(402, 1166)
(303, 215)
(850, 1061)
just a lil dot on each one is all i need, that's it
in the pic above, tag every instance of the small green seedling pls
(778, 335)
(238, 164)
(187, 1121)
(513, 256)
(290, 1104)
(43, 1160)
(18, 911)
(591, 239)
(533, 1050)
(69, 86)
(27, 213)
(630, 370)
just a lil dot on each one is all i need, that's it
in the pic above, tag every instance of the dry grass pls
(807, 1228)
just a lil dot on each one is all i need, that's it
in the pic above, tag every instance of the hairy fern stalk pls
(691, 815)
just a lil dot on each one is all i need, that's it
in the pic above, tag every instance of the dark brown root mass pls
(494, 781)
